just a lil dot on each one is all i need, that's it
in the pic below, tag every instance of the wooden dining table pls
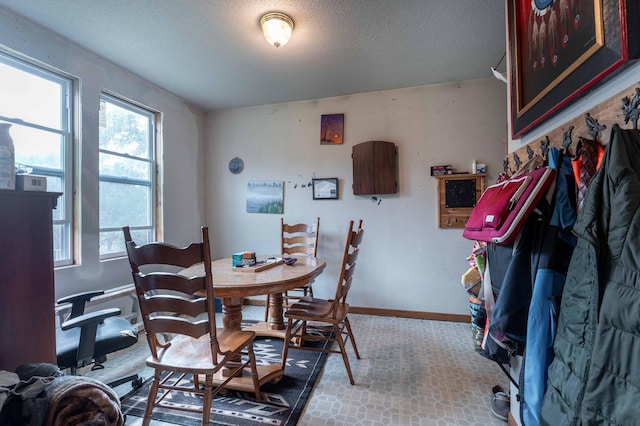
(232, 285)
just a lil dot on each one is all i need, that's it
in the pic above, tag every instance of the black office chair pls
(85, 339)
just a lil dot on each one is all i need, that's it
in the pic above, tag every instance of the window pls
(127, 174)
(37, 103)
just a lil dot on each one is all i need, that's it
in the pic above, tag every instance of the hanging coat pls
(585, 163)
(595, 375)
(513, 269)
(551, 263)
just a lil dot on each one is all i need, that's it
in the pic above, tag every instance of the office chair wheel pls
(137, 383)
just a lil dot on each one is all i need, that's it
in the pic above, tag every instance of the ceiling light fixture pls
(277, 28)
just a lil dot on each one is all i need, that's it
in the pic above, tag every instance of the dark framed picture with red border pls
(561, 49)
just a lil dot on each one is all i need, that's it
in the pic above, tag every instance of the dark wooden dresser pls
(27, 320)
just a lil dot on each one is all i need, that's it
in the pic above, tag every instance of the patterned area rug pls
(283, 402)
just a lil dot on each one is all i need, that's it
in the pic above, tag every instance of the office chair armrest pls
(92, 318)
(78, 301)
(88, 324)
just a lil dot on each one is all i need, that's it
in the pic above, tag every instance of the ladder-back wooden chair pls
(298, 239)
(311, 318)
(172, 304)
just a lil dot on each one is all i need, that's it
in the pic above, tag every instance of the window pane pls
(117, 166)
(54, 184)
(61, 242)
(127, 167)
(112, 242)
(124, 131)
(38, 104)
(124, 205)
(36, 147)
(30, 97)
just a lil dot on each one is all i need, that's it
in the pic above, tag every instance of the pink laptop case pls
(504, 207)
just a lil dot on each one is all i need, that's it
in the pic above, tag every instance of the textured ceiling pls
(213, 54)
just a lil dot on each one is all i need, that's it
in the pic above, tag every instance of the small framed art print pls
(331, 129)
(325, 189)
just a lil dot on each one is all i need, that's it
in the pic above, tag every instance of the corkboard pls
(621, 108)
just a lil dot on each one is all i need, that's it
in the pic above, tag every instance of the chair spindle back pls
(300, 238)
(348, 265)
(171, 303)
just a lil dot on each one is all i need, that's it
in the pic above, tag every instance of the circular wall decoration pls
(236, 165)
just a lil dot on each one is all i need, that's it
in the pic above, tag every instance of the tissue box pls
(31, 183)
(245, 258)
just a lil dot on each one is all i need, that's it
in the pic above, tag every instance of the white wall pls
(407, 262)
(182, 161)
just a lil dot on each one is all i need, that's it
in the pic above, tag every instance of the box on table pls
(245, 258)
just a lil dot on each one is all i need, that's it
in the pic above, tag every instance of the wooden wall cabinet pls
(457, 195)
(27, 319)
(375, 168)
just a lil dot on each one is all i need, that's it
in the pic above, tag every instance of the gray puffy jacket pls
(595, 375)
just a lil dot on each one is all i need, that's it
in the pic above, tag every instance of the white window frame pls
(64, 255)
(153, 117)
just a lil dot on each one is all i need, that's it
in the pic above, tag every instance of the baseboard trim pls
(392, 313)
(411, 314)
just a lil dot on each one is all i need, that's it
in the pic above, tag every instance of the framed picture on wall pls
(331, 129)
(265, 196)
(561, 49)
(325, 189)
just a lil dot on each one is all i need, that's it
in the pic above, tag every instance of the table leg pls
(276, 326)
(232, 313)
(232, 319)
(276, 319)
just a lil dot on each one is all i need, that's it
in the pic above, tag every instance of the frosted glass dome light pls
(277, 28)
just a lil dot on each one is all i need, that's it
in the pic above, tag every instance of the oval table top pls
(232, 285)
(230, 282)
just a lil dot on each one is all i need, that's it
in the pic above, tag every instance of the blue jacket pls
(551, 263)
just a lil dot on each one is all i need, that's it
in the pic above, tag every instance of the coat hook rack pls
(630, 108)
(517, 160)
(544, 147)
(530, 153)
(594, 126)
(566, 139)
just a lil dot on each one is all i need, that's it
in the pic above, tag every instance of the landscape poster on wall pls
(332, 129)
(265, 196)
(561, 48)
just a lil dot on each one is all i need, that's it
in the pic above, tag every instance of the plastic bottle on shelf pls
(474, 167)
(7, 158)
